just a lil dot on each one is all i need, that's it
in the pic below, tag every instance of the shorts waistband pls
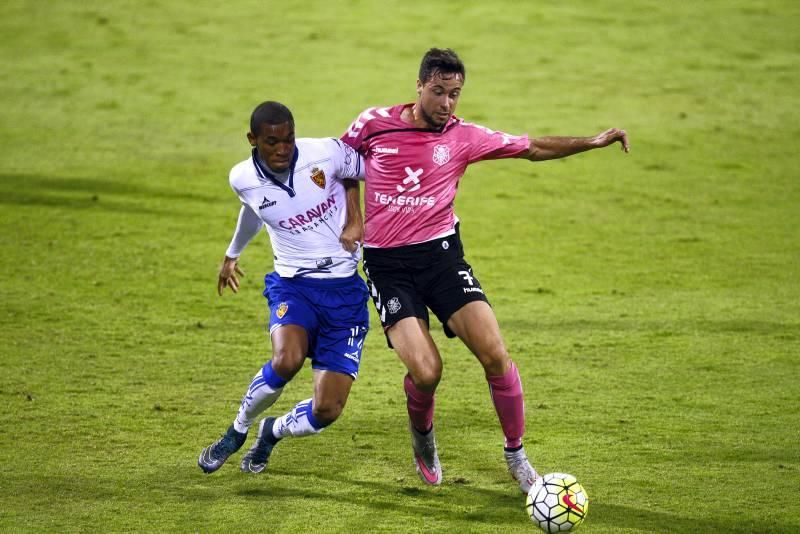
(406, 250)
(307, 281)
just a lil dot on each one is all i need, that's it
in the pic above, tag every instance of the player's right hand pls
(227, 275)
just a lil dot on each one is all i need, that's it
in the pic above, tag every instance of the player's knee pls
(287, 362)
(427, 378)
(494, 358)
(327, 412)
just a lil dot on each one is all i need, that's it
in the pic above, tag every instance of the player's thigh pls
(289, 349)
(414, 345)
(339, 343)
(451, 287)
(476, 325)
(293, 323)
(288, 305)
(394, 293)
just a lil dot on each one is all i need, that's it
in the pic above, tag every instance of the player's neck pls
(281, 176)
(413, 115)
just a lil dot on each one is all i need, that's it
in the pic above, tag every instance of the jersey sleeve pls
(488, 144)
(249, 223)
(247, 227)
(354, 136)
(348, 162)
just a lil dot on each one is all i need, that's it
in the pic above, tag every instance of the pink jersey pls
(412, 174)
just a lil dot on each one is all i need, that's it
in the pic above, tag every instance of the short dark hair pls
(269, 112)
(441, 61)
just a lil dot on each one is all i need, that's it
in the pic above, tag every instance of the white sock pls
(258, 398)
(299, 422)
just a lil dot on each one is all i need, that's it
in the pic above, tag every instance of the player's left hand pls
(352, 236)
(612, 136)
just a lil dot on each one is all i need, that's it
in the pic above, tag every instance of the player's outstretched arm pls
(353, 231)
(554, 147)
(227, 275)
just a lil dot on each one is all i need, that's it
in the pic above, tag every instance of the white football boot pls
(521, 469)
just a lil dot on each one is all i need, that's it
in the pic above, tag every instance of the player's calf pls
(299, 422)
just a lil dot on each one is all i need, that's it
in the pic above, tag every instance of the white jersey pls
(305, 214)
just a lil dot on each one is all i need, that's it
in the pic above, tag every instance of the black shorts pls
(406, 281)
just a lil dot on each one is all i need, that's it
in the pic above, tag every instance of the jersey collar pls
(264, 174)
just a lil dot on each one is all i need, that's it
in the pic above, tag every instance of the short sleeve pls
(354, 136)
(488, 144)
(348, 162)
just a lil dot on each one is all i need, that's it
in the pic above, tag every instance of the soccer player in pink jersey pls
(415, 155)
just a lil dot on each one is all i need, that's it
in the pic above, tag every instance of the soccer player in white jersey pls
(303, 191)
(415, 155)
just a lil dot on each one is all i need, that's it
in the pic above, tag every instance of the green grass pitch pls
(651, 300)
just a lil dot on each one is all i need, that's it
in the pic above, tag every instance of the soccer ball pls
(557, 503)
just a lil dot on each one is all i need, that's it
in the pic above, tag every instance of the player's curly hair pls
(443, 61)
(269, 112)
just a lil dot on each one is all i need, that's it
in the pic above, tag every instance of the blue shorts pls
(333, 311)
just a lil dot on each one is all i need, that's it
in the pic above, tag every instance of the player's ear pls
(251, 138)
(419, 88)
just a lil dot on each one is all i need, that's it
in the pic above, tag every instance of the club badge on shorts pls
(393, 305)
(282, 309)
(318, 177)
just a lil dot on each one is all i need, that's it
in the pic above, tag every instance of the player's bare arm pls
(554, 147)
(353, 231)
(227, 275)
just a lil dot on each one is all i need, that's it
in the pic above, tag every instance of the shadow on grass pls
(84, 193)
(659, 329)
(497, 508)
(176, 486)
(449, 502)
(77, 203)
(614, 517)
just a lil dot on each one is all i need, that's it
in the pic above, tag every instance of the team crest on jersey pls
(282, 309)
(441, 154)
(318, 177)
